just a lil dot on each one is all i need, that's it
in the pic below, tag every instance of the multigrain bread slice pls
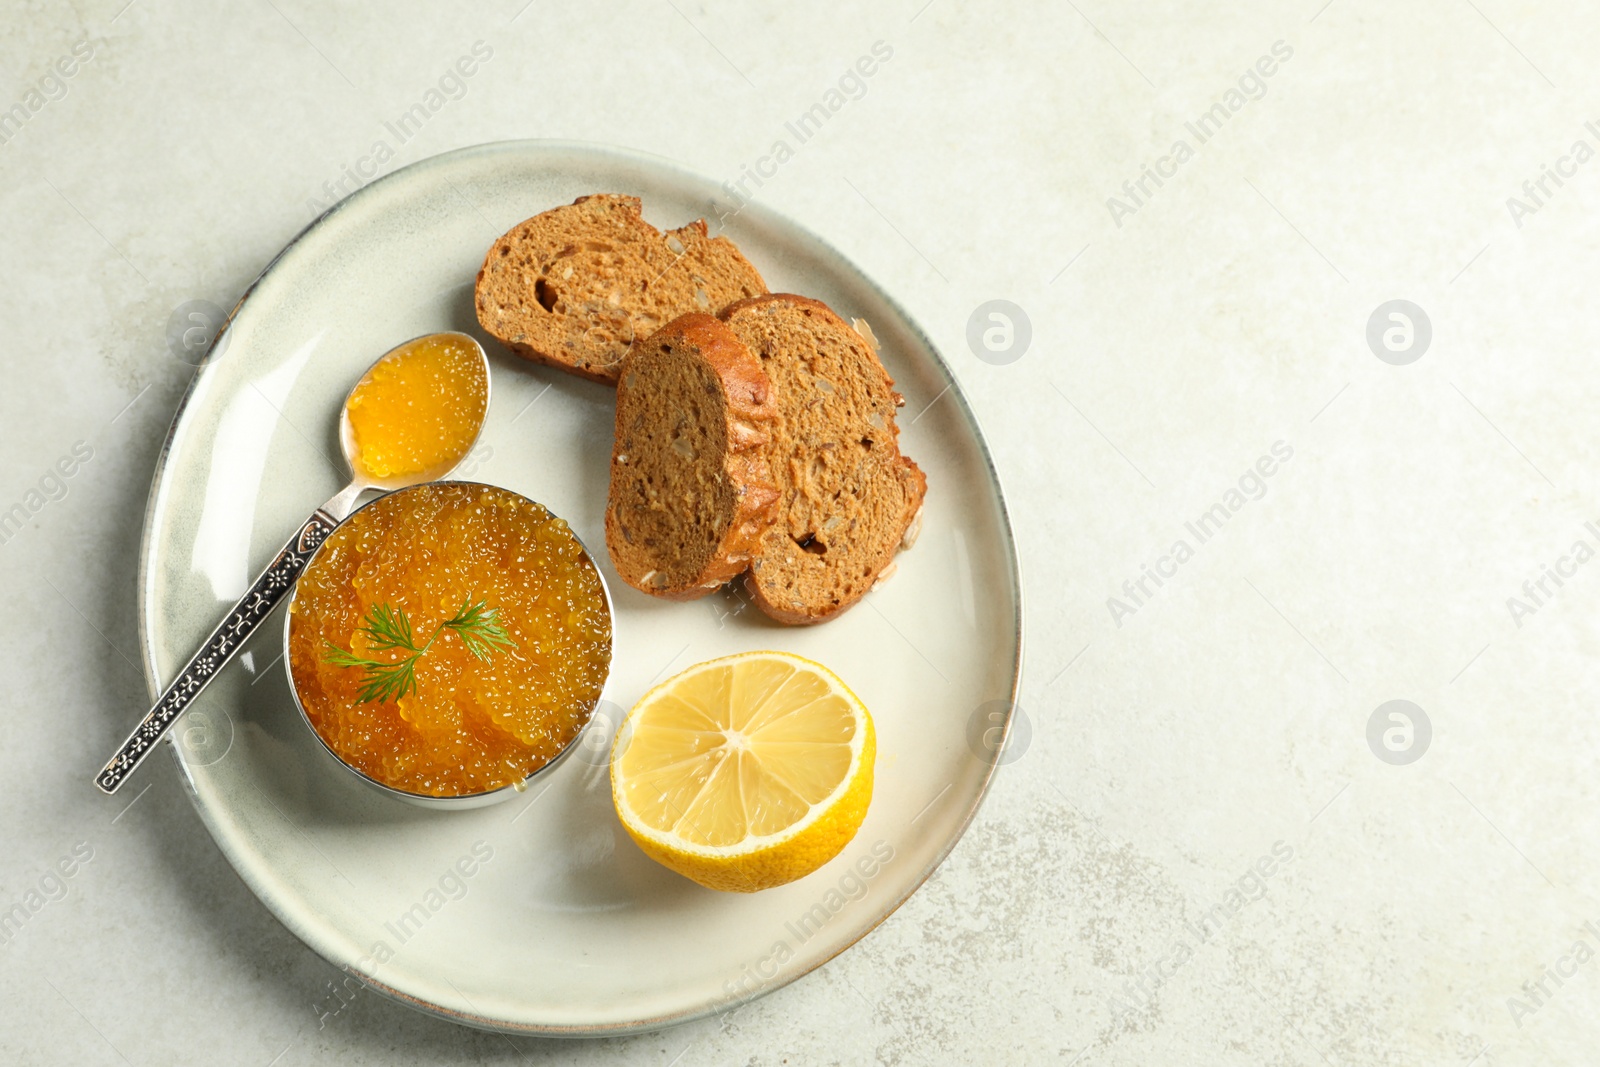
(575, 286)
(691, 491)
(847, 498)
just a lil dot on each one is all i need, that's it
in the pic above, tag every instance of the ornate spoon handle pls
(257, 603)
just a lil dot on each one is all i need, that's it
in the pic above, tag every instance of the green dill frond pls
(389, 628)
(477, 624)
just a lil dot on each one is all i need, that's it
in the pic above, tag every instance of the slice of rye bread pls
(691, 492)
(847, 497)
(575, 286)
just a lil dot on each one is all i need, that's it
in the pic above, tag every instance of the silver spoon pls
(280, 576)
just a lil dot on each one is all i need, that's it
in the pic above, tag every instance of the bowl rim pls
(463, 801)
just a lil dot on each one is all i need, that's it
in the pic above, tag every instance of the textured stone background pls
(1170, 748)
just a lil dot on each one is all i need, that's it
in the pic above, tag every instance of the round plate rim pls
(144, 601)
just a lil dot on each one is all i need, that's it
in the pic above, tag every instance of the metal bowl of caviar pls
(449, 642)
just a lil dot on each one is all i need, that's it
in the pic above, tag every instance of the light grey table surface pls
(1108, 905)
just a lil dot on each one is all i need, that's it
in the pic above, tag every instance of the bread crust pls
(748, 411)
(877, 548)
(575, 286)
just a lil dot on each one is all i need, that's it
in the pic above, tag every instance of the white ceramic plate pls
(540, 915)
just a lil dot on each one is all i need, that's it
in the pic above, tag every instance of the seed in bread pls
(575, 286)
(847, 497)
(691, 492)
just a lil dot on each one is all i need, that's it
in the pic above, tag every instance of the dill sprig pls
(388, 628)
(478, 626)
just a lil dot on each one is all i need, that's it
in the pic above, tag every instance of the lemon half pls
(745, 772)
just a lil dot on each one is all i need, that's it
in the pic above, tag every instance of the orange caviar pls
(417, 412)
(471, 725)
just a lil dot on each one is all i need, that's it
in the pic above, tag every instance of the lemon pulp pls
(745, 772)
